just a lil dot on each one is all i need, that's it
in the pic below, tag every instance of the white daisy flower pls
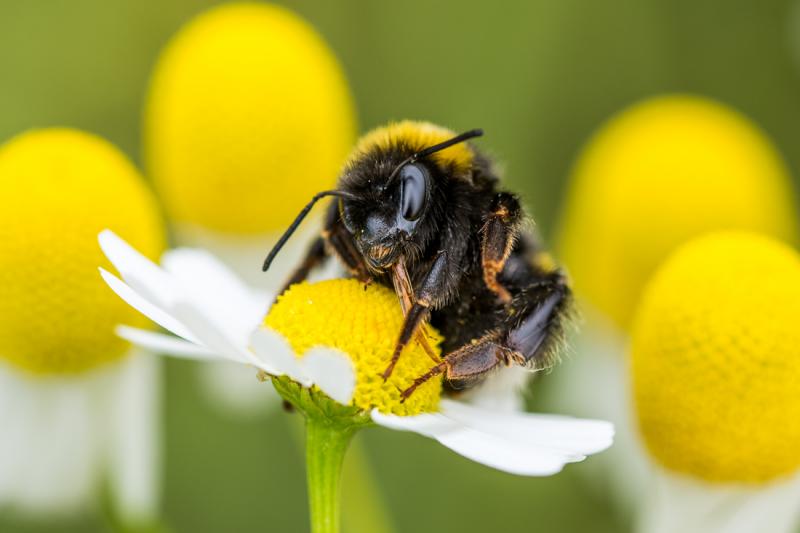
(334, 335)
(640, 188)
(79, 407)
(715, 372)
(221, 83)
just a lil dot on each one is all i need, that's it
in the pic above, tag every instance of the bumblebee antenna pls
(293, 226)
(447, 144)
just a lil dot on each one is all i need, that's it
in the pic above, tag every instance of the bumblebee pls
(421, 210)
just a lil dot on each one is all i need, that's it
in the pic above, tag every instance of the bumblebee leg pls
(316, 254)
(338, 240)
(341, 242)
(498, 235)
(535, 329)
(405, 292)
(529, 337)
(468, 364)
(419, 309)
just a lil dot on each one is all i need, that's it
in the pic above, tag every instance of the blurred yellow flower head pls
(364, 324)
(59, 188)
(716, 359)
(248, 115)
(656, 175)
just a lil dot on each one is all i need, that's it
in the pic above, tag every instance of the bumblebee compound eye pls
(413, 190)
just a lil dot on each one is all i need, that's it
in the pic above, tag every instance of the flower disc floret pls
(248, 115)
(716, 359)
(364, 324)
(59, 188)
(658, 174)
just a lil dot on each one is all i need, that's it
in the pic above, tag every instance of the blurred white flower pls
(79, 407)
(715, 369)
(655, 175)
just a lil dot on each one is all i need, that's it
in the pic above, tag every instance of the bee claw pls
(388, 372)
(367, 282)
(406, 394)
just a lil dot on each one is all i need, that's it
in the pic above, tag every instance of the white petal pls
(682, 504)
(62, 478)
(483, 448)
(55, 453)
(185, 320)
(165, 344)
(523, 444)
(148, 309)
(505, 455)
(198, 308)
(217, 289)
(572, 436)
(427, 424)
(210, 332)
(133, 438)
(17, 421)
(141, 274)
(331, 371)
(273, 354)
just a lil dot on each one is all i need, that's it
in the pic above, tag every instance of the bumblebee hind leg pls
(530, 336)
(536, 321)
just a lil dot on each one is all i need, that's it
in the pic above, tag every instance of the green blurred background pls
(538, 76)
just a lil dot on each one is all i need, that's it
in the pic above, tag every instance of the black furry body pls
(468, 229)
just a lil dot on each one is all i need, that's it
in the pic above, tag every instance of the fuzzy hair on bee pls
(421, 210)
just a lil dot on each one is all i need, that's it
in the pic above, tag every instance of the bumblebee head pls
(392, 178)
(388, 187)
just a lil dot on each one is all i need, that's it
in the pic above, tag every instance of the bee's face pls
(389, 208)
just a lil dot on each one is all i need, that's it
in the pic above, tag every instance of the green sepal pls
(314, 403)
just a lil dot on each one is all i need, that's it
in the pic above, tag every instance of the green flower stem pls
(329, 428)
(326, 444)
(363, 504)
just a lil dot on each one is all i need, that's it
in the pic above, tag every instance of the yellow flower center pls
(660, 173)
(58, 189)
(716, 359)
(248, 116)
(364, 324)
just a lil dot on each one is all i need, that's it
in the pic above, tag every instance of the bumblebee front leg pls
(498, 235)
(315, 255)
(336, 238)
(341, 242)
(528, 337)
(423, 299)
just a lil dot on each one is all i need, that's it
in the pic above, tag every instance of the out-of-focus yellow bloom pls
(363, 324)
(248, 115)
(656, 175)
(716, 359)
(58, 189)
